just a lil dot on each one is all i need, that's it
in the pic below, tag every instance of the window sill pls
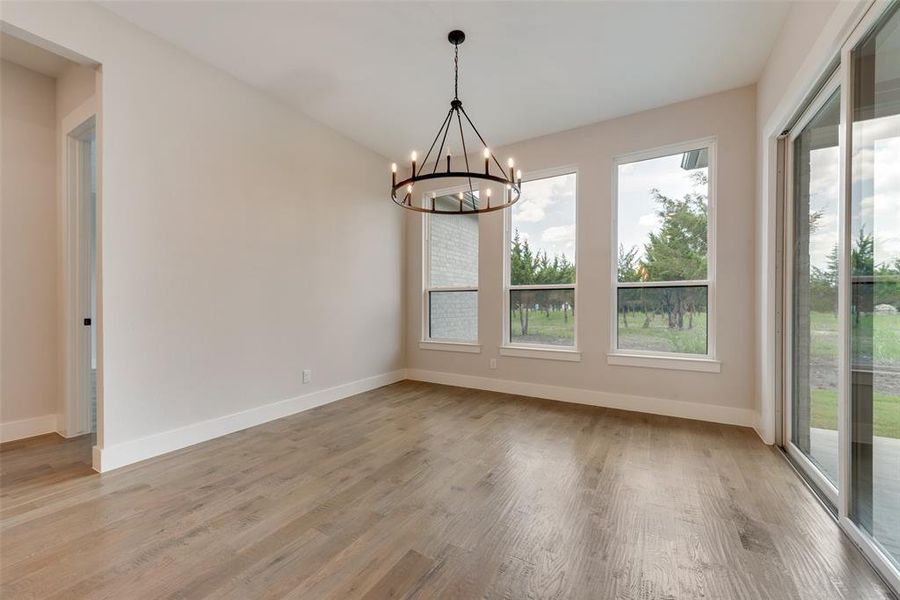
(451, 346)
(543, 353)
(676, 363)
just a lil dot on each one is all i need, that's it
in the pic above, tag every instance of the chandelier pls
(470, 201)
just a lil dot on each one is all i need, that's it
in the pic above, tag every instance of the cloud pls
(649, 220)
(531, 211)
(559, 234)
(540, 195)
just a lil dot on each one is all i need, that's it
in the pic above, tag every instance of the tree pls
(628, 267)
(628, 264)
(530, 268)
(677, 252)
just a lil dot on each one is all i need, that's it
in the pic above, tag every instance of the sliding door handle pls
(87, 322)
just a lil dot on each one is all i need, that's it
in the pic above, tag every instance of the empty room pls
(489, 299)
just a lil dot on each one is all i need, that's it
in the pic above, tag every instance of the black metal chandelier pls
(469, 201)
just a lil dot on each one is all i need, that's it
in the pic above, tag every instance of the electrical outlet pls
(493, 363)
(307, 375)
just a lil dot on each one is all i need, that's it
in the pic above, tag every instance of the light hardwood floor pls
(423, 491)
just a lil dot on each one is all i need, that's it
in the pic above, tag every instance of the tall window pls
(664, 282)
(451, 275)
(541, 264)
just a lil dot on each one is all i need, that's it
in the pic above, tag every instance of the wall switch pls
(493, 363)
(307, 375)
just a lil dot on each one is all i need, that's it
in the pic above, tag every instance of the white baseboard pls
(126, 453)
(25, 428)
(728, 415)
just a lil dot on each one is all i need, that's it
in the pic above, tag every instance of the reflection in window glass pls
(453, 247)
(452, 273)
(454, 316)
(875, 285)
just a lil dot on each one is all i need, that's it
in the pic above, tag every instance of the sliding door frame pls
(870, 548)
(829, 490)
(840, 495)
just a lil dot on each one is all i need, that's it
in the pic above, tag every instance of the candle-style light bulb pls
(519, 175)
(487, 193)
(433, 195)
(448, 162)
(508, 193)
(510, 163)
(409, 194)
(413, 157)
(393, 174)
(487, 159)
(460, 201)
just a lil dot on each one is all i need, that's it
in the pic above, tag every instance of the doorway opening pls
(51, 394)
(81, 235)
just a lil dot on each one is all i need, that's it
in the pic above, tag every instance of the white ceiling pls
(381, 72)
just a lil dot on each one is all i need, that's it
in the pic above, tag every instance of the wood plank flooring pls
(417, 490)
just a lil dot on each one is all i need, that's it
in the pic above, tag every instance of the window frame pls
(426, 342)
(545, 351)
(650, 358)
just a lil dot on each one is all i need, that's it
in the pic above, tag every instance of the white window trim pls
(666, 360)
(676, 362)
(425, 341)
(545, 351)
(466, 347)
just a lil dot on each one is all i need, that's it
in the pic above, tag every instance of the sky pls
(877, 191)
(636, 206)
(824, 165)
(877, 166)
(545, 215)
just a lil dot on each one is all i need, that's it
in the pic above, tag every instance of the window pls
(451, 275)
(540, 278)
(663, 272)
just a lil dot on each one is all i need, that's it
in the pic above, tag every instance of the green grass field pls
(543, 329)
(885, 329)
(659, 337)
(887, 412)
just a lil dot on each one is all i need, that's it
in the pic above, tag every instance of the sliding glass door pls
(815, 361)
(842, 289)
(875, 285)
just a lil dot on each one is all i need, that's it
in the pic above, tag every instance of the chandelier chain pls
(456, 71)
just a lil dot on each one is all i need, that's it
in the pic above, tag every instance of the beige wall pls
(731, 117)
(74, 86)
(241, 242)
(29, 365)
